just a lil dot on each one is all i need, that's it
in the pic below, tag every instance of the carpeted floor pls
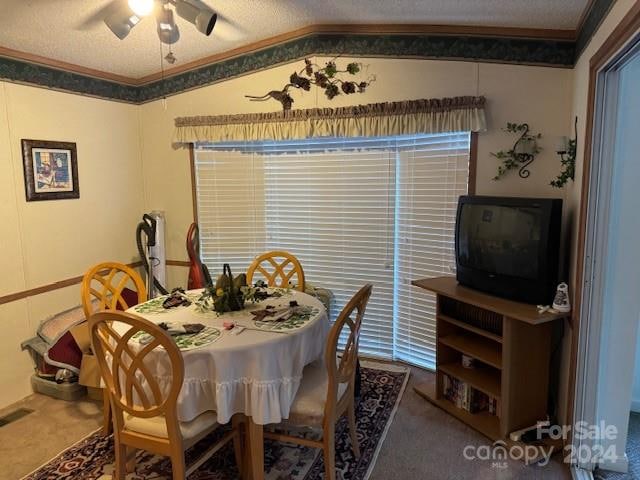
(382, 388)
(53, 426)
(423, 442)
(633, 454)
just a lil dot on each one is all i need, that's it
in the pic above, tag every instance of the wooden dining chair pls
(326, 391)
(105, 286)
(144, 412)
(278, 269)
(110, 286)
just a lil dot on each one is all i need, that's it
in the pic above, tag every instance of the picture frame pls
(50, 170)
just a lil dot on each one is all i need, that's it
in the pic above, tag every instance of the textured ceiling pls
(72, 30)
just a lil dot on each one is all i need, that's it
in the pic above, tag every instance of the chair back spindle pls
(343, 369)
(278, 268)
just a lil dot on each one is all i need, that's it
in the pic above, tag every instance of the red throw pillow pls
(130, 297)
(65, 353)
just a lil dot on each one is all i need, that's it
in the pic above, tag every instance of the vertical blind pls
(353, 210)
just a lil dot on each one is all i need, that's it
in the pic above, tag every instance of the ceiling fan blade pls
(227, 29)
(98, 16)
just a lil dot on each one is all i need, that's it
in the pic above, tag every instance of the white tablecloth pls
(255, 372)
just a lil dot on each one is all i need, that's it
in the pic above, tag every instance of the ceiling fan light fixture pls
(122, 21)
(142, 8)
(167, 29)
(198, 14)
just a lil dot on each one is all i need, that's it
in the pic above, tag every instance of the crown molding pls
(65, 66)
(406, 29)
(366, 29)
(595, 13)
(521, 51)
(466, 43)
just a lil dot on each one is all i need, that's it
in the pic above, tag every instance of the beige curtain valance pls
(458, 114)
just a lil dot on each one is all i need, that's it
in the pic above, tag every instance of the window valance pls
(457, 114)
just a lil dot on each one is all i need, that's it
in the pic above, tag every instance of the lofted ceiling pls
(72, 31)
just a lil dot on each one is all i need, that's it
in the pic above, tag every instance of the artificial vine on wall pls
(327, 78)
(521, 154)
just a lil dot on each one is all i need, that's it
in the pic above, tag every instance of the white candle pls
(562, 144)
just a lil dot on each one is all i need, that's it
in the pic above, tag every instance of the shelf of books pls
(492, 359)
(481, 378)
(485, 421)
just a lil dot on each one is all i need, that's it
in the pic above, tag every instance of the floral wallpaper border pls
(454, 47)
(598, 12)
(506, 50)
(38, 75)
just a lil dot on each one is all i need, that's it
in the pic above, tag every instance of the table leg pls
(255, 450)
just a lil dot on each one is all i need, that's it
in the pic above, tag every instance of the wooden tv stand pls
(512, 342)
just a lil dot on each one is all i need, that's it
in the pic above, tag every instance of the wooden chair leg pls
(131, 459)
(353, 433)
(329, 452)
(178, 467)
(107, 424)
(120, 468)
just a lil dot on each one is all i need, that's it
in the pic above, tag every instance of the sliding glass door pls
(354, 211)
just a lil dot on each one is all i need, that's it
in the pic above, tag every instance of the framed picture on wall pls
(50, 170)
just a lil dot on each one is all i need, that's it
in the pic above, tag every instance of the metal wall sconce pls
(566, 149)
(522, 153)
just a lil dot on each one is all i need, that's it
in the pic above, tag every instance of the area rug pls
(382, 389)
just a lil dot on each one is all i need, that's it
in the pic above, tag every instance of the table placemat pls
(185, 342)
(295, 322)
(154, 306)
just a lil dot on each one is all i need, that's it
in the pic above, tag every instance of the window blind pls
(377, 210)
(230, 202)
(432, 174)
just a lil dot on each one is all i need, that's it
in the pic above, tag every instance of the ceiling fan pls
(127, 14)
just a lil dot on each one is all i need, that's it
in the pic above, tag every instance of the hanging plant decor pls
(326, 78)
(521, 154)
(567, 161)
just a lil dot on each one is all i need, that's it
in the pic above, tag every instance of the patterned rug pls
(382, 389)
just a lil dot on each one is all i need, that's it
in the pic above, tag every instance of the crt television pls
(509, 246)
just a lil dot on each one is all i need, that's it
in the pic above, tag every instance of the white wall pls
(126, 141)
(44, 242)
(537, 95)
(540, 96)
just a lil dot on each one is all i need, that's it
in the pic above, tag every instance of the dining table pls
(240, 363)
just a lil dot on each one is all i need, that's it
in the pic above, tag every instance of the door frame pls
(585, 344)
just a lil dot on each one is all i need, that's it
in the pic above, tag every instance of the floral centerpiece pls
(230, 294)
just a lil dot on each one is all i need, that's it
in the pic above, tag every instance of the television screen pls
(501, 240)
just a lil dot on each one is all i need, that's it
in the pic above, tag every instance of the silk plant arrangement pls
(522, 153)
(330, 79)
